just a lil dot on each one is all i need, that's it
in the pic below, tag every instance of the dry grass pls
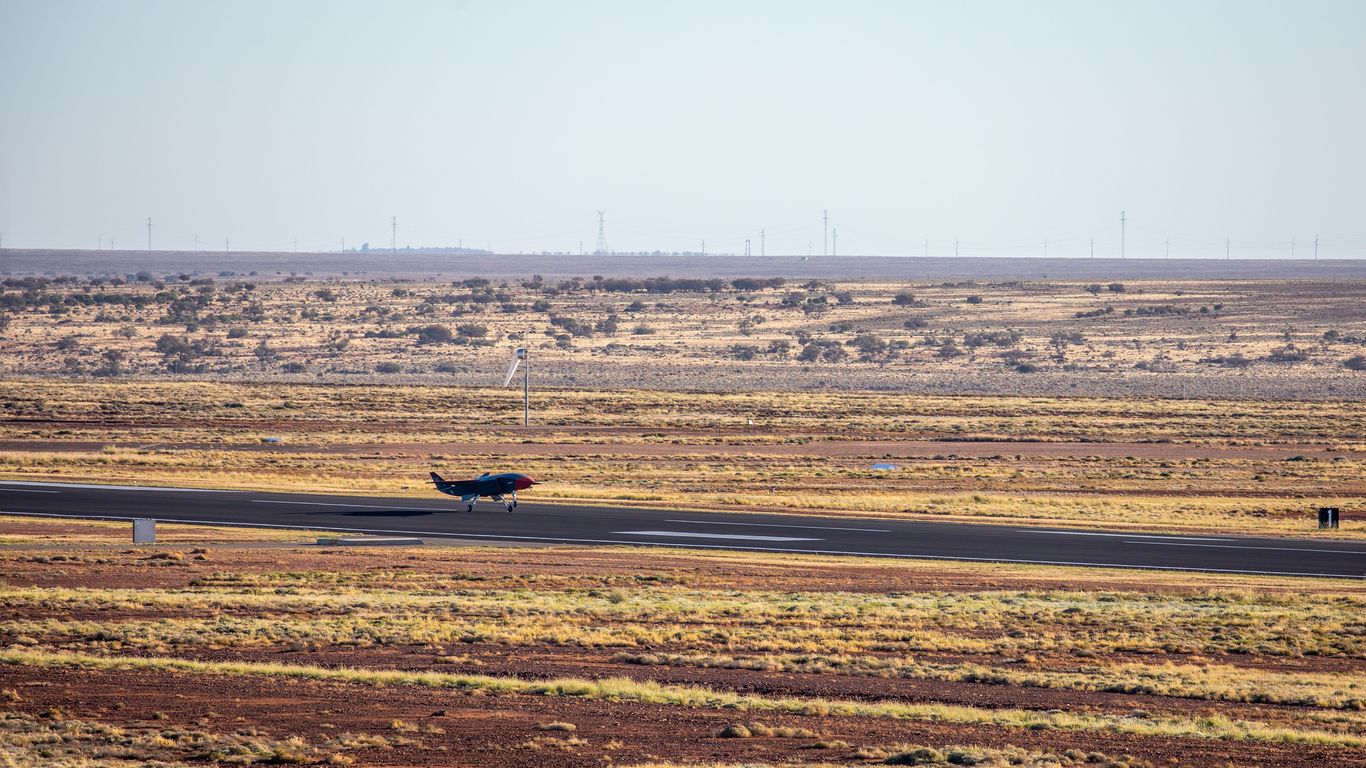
(615, 689)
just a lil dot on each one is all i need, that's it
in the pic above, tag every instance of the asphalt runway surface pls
(552, 523)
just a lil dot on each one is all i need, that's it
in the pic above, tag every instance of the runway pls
(441, 518)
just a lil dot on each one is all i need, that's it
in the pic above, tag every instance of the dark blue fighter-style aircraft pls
(501, 487)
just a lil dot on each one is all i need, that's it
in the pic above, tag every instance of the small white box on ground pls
(144, 531)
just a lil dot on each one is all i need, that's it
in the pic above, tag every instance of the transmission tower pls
(602, 234)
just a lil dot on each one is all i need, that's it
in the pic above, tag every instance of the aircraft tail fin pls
(436, 478)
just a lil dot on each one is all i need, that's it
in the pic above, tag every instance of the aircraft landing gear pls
(508, 505)
(470, 507)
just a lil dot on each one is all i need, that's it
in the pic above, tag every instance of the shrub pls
(1094, 288)
(904, 299)
(294, 367)
(642, 330)
(1116, 287)
(1355, 363)
(1288, 354)
(744, 351)
(974, 299)
(822, 351)
(388, 368)
(237, 333)
(915, 323)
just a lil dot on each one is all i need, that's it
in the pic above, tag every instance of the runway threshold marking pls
(776, 525)
(694, 545)
(698, 535)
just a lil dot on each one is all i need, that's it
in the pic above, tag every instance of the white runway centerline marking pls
(776, 525)
(731, 536)
(376, 507)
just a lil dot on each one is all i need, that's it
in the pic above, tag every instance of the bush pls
(822, 351)
(904, 299)
(1288, 354)
(1094, 288)
(388, 368)
(915, 323)
(744, 351)
(642, 330)
(471, 331)
(974, 299)
(1116, 287)
(237, 333)
(434, 334)
(294, 367)
(1355, 363)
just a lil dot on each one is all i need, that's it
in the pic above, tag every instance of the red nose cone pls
(524, 483)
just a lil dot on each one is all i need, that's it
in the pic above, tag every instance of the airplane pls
(497, 487)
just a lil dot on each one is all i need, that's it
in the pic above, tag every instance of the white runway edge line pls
(776, 525)
(1128, 535)
(99, 487)
(26, 490)
(736, 548)
(1361, 552)
(731, 536)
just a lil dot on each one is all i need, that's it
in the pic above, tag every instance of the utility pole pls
(747, 247)
(704, 247)
(196, 242)
(835, 243)
(225, 245)
(1316, 247)
(296, 245)
(825, 236)
(1093, 247)
(526, 388)
(1122, 222)
(1045, 247)
(149, 233)
(1167, 253)
(955, 247)
(927, 247)
(762, 250)
(1226, 249)
(393, 234)
(1292, 249)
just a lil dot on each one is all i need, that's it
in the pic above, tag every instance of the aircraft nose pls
(524, 482)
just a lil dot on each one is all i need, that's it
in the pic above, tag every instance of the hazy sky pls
(508, 123)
